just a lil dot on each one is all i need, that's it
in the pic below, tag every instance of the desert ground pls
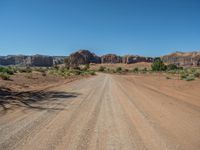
(105, 112)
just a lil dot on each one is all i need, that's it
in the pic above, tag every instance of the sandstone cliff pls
(83, 57)
(183, 59)
(111, 58)
(129, 59)
(21, 60)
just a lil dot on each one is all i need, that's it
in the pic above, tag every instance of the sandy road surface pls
(107, 112)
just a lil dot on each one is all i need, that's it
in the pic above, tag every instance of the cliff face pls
(20, 60)
(83, 57)
(129, 59)
(58, 59)
(111, 58)
(39, 60)
(183, 59)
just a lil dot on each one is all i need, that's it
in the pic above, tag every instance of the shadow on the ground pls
(32, 99)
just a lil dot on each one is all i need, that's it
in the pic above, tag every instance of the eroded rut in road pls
(108, 112)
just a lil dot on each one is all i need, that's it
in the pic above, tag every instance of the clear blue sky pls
(59, 27)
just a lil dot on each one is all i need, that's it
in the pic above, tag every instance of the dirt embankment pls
(109, 112)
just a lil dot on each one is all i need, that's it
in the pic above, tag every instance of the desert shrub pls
(63, 70)
(197, 74)
(91, 72)
(135, 69)
(168, 77)
(158, 65)
(4, 76)
(108, 69)
(76, 67)
(192, 70)
(184, 76)
(102, 68)
(190, 78)
(144, 70)
(42, 70)
(67, 63)
(29, 76)
(9, 70)
(118, 69)
(126, 70)
(25, 70)
(172, 67)
(76, 72)
(56, 67)
(44, 74)
(86, 67)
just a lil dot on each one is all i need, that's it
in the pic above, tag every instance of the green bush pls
(4, 76)
(126, 70)
(190, 78)
(42, 70)
(158, 65)
(135, 69)
(76, 72)
(144, 70)
(172, 67)
(102, 68)
(184, 76)
(25, 70)
(9, 70)
(118, 69)
(91, 72)
(197, 74)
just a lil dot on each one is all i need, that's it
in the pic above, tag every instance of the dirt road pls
(108, 112)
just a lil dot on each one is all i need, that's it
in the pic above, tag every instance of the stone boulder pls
(83, 57)
(111, 58)
(183, 59)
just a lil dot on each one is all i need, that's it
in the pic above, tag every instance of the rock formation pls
(183, 59)
(83, 57)
(21, 60)
(111, 58)
(129, 59)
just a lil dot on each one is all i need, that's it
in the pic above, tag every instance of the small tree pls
(158, 65)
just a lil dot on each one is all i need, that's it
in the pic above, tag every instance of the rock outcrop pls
(21, 60)
(40, 60)
(183, 59)
(129, 59)
(83, 57)
(58, 60)
(111, 58)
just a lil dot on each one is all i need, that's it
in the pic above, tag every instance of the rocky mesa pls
(85, 57)
(183, 59)
(35, 60)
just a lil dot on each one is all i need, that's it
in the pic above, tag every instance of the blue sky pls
(59, 27)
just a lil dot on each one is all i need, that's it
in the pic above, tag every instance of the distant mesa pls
(111, 58)
(86, 57)
(35, 60)
(183, 59)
